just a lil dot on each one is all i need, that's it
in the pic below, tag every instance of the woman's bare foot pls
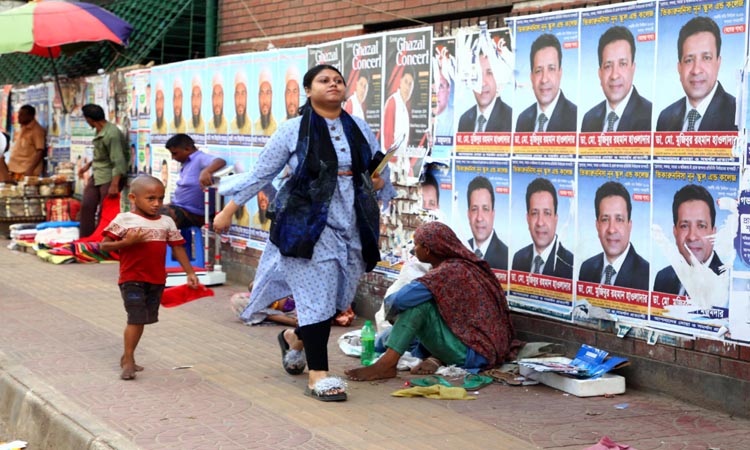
(122, 364)
(373, 372)
(426, 367)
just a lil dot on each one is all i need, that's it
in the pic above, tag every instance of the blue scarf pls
(300, 210)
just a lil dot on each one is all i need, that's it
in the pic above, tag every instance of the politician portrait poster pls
(546, 96)
(442, 123)
(617, 63)
(612, 265)
(700, 49)
(484, 92)
(217, 106)
(363, 69)
(693, 232)
(541, 251)
(481, 218)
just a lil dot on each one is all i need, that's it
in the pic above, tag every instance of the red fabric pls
(62, 209)
(467, 294)
(178, 295)
(389, 127)
(608, 444)
(110, 209)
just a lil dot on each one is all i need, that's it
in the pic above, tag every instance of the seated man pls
(29, 146)
(457, 310)
(187, 208)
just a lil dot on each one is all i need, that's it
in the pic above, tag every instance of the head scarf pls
(470, 299)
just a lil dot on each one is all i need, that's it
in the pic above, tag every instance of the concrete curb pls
(35, 412)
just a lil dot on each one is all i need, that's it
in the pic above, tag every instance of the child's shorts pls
(141, 301)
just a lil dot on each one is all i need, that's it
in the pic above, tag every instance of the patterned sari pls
(470, 299)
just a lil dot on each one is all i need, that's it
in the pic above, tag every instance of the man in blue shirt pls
(187, 208)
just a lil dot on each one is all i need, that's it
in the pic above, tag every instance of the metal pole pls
(57, 81)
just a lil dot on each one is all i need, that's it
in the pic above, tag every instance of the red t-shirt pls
(144, 261)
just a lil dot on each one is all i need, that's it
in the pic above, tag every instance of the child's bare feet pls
(122, 364)
(128, 372)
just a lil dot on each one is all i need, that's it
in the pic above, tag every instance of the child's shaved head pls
(143, 182)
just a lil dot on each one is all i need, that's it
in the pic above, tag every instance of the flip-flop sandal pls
(289, 366)
(473, 382)
(430, 381)
(324, 386)
(511, 379)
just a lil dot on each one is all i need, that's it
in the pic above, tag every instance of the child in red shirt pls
(142, 236)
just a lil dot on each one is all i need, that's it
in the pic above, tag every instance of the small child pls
(141, 236)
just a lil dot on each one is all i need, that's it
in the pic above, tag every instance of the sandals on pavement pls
(324, 388)
(293, 361)
(430, 381)
(474, 382)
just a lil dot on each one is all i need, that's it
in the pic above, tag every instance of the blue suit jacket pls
(719, 115)
(497, 252)
(635, 117)
(500, 118)
(667, 280)
(633, 273)
(561, 267)
(563, 118)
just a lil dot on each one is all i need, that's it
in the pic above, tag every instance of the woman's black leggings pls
(315, 339)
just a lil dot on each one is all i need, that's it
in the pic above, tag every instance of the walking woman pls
(326, 221)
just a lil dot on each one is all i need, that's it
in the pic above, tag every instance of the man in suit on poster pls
(545, 255)
(619, 264)
(706, 106)
(694, 218)
(484, 242)
(552, 111)
(490, 114)
(623, 108)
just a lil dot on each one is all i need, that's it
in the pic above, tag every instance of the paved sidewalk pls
(61, 339)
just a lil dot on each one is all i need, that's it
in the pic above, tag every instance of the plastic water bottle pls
(367, 338)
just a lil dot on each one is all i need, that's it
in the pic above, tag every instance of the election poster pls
(240, 99)
(695, 104)
(193, 99)
(693, 232)
(541, 275)
(363, 69)
(483, 111)
(546, 96)
(405, 116)
(617, 54)
(443, 97)
(482, 219)
(159, 78)
(220, 83)
(614, 204)
(291, 95)
(264, 80)
(436, 192)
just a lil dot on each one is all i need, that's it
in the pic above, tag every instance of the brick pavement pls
(62, 336)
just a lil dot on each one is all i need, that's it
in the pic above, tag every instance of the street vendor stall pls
(36, 199)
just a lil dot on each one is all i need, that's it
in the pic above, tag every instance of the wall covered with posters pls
(595, 158)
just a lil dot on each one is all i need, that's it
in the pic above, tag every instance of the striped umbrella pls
(49, 28)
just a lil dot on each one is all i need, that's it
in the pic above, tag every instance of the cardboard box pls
(605, 384)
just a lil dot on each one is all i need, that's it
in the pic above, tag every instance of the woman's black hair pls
(310, 76)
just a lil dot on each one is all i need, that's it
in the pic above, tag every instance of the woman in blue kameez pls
(325, 228)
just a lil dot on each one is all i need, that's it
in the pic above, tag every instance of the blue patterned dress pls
(327, 282)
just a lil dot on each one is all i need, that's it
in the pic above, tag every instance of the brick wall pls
(296, 23)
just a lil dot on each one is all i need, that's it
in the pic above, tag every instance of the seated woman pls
(457, 310)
